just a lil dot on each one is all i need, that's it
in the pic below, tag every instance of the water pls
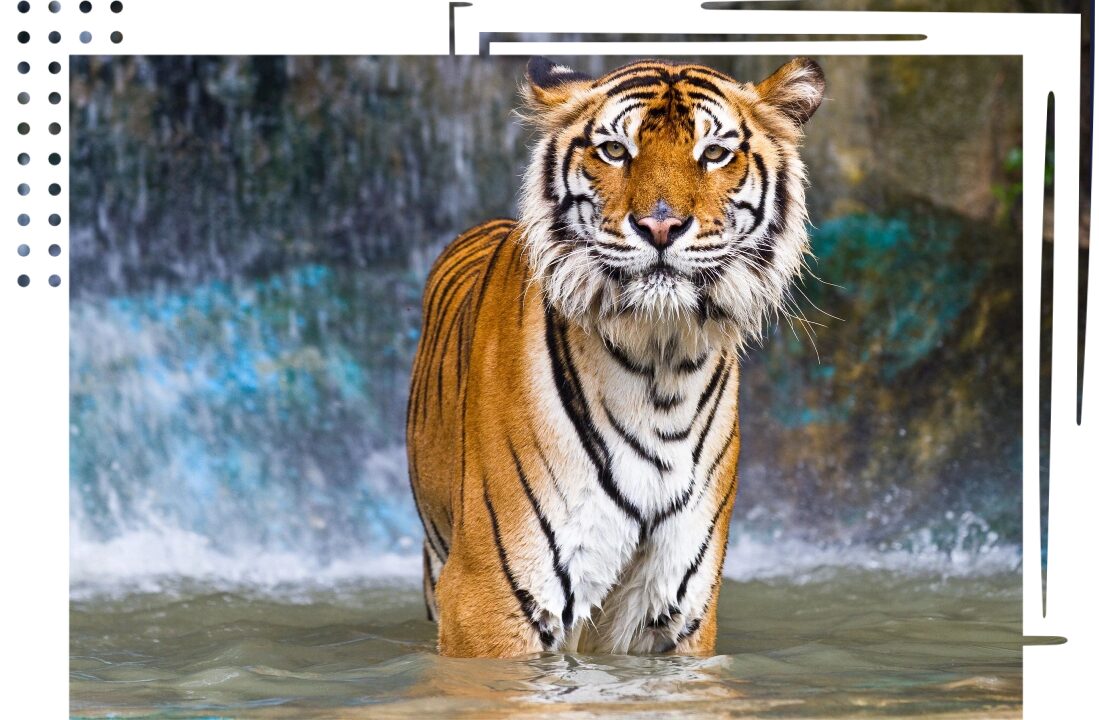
(836, 641)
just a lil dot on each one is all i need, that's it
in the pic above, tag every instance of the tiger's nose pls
(660, 232)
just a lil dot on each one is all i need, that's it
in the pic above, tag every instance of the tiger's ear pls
(550, 85)
(796, 89)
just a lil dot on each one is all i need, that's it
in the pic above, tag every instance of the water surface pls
(837, 642)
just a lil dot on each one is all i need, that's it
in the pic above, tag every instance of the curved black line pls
(635, 444)
(571, 394)
(697, 452)
(526, 600)
(551, 539)
(705, 546)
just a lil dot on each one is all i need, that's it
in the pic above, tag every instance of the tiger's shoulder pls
(453, 297)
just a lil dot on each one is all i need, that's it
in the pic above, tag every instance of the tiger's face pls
(668, 195)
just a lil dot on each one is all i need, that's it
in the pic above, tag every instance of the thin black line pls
(551, 539)
(643, 452)
(526, 600)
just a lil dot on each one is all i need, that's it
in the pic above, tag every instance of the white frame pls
(34, 398)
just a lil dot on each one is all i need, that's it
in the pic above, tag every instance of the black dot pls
(24, 67)
(55, 159)
(55, 128)
(55, 67)
(23, 128)
(116, 37)
(85, 7)
(55, 6)
(24, 250)
(24, 37)
(24, 220)
(55, 219)
(55, 37)
(55, 98)
(24, 6)
(55, 250)
(55, 280)
(23, 98)
(24, 281)
(24, 189)
(116, 7)
(54, 189)
(24, 158)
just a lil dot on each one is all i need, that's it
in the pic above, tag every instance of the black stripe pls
(526, 600)
(571, 394)
(686, 367)
(705, 546)
(638, 95)
(697, 452)
(721, 454)
(627, 363)
(548, 161)
(634, 443)
(705, 85)
(551, 539)
(622, 113)
(689, 629)
(674, 435)
(635, 82)
(764, 178)
(637, 67)
(709, 389)
(664, 403)
(439, 535)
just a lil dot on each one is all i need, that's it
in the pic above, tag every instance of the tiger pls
(573, 429)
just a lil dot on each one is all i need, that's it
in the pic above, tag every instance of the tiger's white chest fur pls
(628, 482)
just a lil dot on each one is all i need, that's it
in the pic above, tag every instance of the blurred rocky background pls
(250, 237)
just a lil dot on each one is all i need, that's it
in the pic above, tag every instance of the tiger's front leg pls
(485, 606)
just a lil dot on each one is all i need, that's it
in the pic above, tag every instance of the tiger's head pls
(667, 196)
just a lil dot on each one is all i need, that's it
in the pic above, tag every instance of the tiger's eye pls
(714, 153)
(613, 150)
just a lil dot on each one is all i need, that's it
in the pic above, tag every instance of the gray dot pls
(116, 37)
(55, 280)
(55, 250)
(24, 189)
(24, 67)
(24, 158)
(55, 189)
(55, 128)
(55, 6)
(85, 37)
(24, 280)
(55, 219)
(23, 128)
(23, 98)
(24, 250)
(24, 219)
